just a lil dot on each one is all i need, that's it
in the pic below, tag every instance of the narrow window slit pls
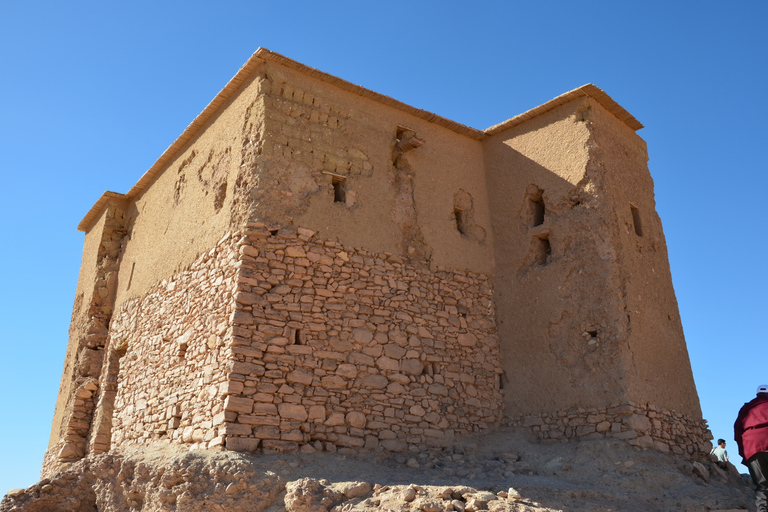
(536, 209)
(339, 189)
(636, 220)
(182, 350)
(543, 250)
(296, 337)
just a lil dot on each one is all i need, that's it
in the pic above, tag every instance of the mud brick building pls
(315, 266)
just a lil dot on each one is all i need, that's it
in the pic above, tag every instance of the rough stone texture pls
(339, 346)
(313, 266)
(497, 472)
(169, 349)
(644, 426)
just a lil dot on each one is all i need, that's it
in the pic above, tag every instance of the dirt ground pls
(503, 471)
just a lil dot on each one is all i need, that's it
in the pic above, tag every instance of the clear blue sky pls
(91, 93)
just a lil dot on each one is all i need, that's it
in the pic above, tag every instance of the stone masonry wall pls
(645, 426)
(340, 348)
(175, 340)
(90, 336)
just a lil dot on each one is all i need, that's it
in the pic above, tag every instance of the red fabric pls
(751, 427)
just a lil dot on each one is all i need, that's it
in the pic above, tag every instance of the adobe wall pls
(659, 370)
(340, 347)
(397, 201)
(196, 198)
(592, 319)
(561, 323)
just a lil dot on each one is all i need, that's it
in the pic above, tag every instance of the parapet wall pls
(341, 348)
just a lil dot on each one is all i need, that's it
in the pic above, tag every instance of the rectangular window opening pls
(543, 250)
(636, 220)
(339, 190)
(537, 211)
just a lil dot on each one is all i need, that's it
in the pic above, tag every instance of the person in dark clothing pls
(751, 434)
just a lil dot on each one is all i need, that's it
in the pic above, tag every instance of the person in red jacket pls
(751, 434)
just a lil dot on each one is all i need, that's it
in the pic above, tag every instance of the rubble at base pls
(503, 471)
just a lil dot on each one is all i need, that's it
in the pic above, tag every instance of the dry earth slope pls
(503, 471)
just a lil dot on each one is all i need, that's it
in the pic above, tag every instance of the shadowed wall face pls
(586, 311)
(658, 366)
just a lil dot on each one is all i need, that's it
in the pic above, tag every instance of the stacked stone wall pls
(645, 426)
(175, 340)
(89, 327)
(339, 348)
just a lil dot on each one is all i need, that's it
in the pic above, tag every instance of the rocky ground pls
(503, 471)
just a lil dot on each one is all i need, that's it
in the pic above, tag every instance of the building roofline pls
(262, 55)
(589, 90)
(97, 208)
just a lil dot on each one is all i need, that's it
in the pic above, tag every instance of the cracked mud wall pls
(660, 370)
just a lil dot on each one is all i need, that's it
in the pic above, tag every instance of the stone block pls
(394, 351)
(374, 382)
(266, 432)
(231, 429)
(350, 442)
(356, 419)
(300, 377)
(629, 434)
(242, 444)
(264, 408)
(335, 419)
(230, 387)
(347, 371)
(245, 368)
(360, 359)
(411, 366)
(638, 423)
(334, 382)
(362, 336)
(238, 404)
(293, 412)
(316, 413)
(270, 445)
(387, 363)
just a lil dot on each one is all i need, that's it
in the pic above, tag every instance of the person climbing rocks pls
(751, 434)
(721, 454)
